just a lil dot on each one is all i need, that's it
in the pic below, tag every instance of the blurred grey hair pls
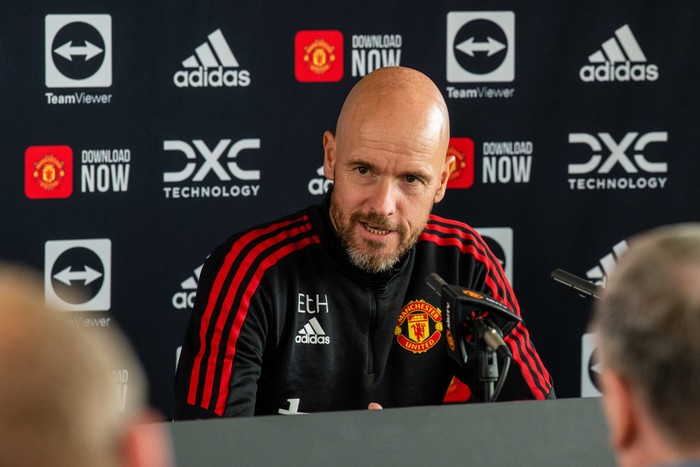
(60, 402)
(648, 326)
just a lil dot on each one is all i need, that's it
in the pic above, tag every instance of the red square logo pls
(462, 175)
(48, 172)
(318, 56)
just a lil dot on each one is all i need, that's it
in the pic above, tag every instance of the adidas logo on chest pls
(312, 333)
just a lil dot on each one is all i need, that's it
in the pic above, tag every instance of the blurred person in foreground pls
(648, 328)
(328, 308)
(59, 402)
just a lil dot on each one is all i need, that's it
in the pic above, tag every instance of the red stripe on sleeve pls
(518, 357)
(521, 334)
(214, 294)
(243, 311)
(220, 325)
(470, 249)
(495, 267)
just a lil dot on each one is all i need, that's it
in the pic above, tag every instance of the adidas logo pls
(185, 298)
(212, 65)
(621, 59)
(312, 333)
(599, 273)
(320, 184)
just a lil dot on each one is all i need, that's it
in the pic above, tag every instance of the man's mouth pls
(375, 230)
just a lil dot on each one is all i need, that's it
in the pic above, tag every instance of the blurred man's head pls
(648, 327)
(59, 403)
(388, 163)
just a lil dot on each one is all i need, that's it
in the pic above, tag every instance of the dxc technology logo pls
(601, 167)
(197, 173)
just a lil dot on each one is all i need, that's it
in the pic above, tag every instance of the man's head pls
(648, 326)
(59, 402)
(388, 163)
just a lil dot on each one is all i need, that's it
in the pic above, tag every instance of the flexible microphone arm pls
(582, 286)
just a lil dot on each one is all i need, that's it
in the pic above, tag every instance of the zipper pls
(370, 332)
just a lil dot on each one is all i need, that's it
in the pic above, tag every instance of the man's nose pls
(384, 197)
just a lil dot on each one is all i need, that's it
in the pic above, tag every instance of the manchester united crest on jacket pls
(419, 326)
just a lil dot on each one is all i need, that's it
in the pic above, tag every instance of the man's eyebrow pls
(359, 161)
(419, 173)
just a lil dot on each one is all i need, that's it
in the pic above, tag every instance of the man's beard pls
(365, 254)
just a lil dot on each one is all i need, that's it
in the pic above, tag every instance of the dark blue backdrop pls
(576, 123)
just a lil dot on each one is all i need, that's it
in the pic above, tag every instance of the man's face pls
(388, 171)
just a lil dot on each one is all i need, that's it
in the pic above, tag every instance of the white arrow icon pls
(491, 46)
(67, 50)
(88, 275)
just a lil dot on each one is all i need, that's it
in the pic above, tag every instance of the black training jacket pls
(284, 323)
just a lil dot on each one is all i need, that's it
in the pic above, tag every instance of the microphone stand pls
(488, 362)
(488, 371)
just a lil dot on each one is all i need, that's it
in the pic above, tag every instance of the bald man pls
(59, 402)
(648, 323)
(328, 308)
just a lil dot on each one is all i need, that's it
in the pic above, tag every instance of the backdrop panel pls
(137, 137)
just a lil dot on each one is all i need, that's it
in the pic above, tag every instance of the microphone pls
(585, 288)
(460, 305)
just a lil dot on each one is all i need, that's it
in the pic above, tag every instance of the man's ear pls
(621, 410)
(447, 168)
(329, 155)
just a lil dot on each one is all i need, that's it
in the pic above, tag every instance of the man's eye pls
(363, 170)
(411, 178)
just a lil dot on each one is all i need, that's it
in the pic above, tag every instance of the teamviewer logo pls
(590, 367)
(78, 274)
(480, 46)
(78, 51)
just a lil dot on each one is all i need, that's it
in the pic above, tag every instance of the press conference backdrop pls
(137, 136)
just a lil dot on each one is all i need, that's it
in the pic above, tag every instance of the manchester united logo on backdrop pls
(462, 171)
(419, 326)
(318, 56)
(48, 172)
